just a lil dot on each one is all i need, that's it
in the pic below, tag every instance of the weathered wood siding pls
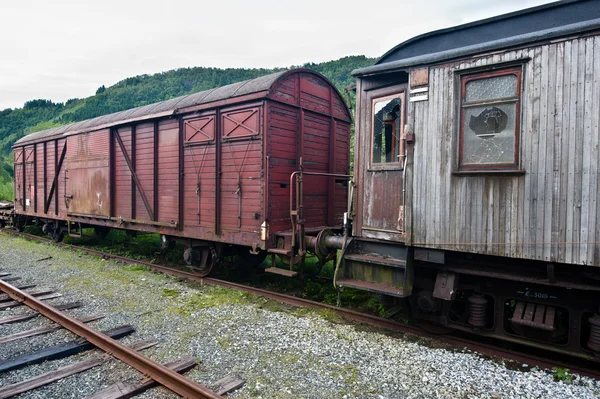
(551, 212)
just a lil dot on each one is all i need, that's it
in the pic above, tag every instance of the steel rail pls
(391, 325)
(159, 373)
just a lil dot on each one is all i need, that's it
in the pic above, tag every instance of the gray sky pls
(63, 49)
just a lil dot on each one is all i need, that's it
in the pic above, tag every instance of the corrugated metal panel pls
(551, 213)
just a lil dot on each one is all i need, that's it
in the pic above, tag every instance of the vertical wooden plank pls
(111, 172)
(35, 177)
(447, 146)
(156, 166)
(556, 206)
(423, 154)
(571, 187)
(596, 134)
(218, 168)
(133, 170)
(181, 176)
(331, 181)
(56, 173)
(579, 156)
(24, 183)
(566, 142)
(548, 165)
(532, 168)
(432, 152)
(45, 171)
(538, 208)
(588, 217)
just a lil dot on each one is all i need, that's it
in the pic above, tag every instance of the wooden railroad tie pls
(63, 372)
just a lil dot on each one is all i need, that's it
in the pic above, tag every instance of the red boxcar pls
(209, 169)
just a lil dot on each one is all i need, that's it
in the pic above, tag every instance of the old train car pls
(476, 164)
(210, 169)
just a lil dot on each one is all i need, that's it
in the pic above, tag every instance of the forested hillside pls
(132, 92)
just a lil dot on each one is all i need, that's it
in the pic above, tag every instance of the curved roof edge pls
(470, 50)
(262, 84)
(543, 22)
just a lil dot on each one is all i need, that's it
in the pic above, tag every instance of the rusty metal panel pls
(419, 77)
(87, 174)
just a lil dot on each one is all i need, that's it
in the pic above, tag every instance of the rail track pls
(486, 348)
(167, 375)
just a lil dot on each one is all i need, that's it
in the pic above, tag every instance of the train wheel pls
(201, 260)
(101, 231)
(58, 235)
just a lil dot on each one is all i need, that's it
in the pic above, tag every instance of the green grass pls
(146, 246)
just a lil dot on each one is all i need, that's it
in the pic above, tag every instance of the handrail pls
(298, 210)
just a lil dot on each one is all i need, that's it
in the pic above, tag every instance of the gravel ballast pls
(281, 351)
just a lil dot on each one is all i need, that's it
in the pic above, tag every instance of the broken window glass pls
(386, 131)
(490, 119)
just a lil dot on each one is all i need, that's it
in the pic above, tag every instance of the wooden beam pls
(49, 377)
(181, 176)
(62, 372)
(54, 186)
(38, 292)
(134, 175)
(35, 187)
(24, 317)
(155, 170)
(60, 351)
(14, 304)
(43, 330)
(122, 390)
(133, 168)
(228, 384)
(218, 166)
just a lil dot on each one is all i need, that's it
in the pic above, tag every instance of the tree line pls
(137, 91)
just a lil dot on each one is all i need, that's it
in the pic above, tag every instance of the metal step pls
(372, 287)
(278, 251)
(534, 315)
(377, 267)
(376, 260)
(281, 272)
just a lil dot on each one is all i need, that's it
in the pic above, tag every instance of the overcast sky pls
(63, 49)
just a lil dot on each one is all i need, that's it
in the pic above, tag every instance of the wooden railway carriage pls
(211, 169)
(477, 166)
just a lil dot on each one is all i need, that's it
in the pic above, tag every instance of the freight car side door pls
(87, 174)
(383, 169)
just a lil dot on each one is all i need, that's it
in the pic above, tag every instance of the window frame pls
(398, 165)
(466, 77)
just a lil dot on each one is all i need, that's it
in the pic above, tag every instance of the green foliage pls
(561, 374)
